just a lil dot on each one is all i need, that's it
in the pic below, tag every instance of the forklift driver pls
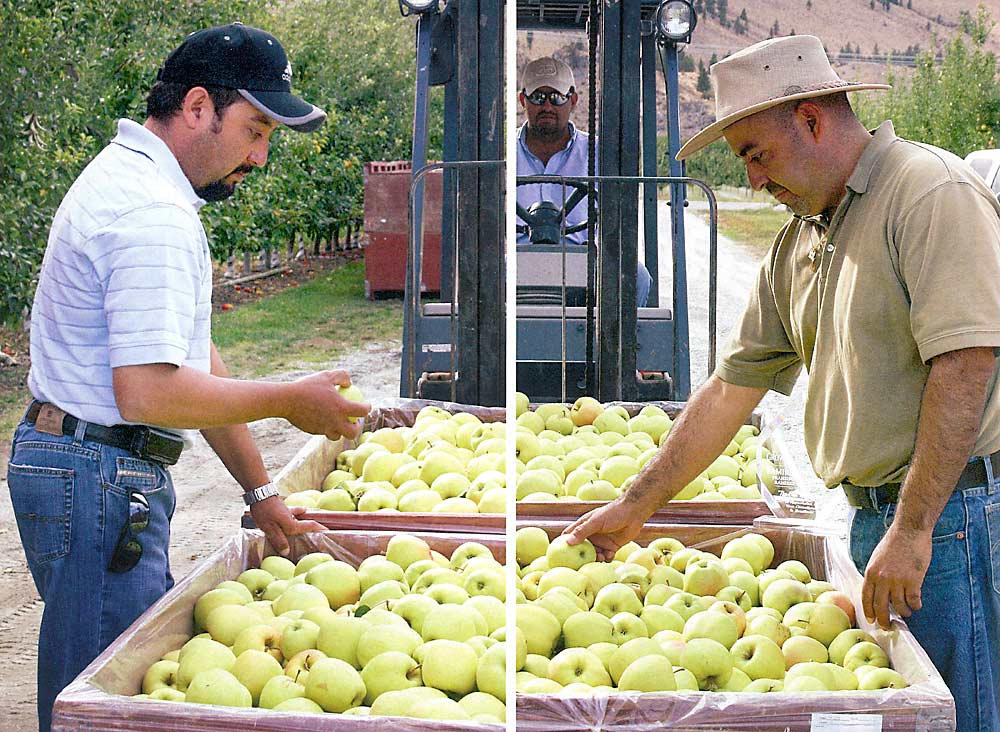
(549, 144)
(885, 286)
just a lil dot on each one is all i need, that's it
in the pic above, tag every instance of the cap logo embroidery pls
(287, 74)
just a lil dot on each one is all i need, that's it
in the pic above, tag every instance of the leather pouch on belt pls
(50, 420)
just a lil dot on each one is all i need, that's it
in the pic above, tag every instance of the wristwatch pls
(259, 494)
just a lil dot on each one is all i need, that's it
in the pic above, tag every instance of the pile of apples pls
(410, 633)
(589, 452)
(444, 463)
(666, 617)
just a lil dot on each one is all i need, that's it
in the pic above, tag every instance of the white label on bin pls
(846, 723)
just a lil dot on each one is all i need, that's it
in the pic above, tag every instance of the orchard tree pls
(952, 102)
(704, 84)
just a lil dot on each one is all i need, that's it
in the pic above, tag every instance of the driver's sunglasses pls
(556, 98)
(128, 550)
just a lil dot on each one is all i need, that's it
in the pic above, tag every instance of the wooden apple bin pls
(99, 700)
(924, 706)
(318, 456)
(733, 512)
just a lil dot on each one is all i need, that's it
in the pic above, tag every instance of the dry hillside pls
(839, 23)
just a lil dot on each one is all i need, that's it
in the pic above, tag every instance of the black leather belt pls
(148, 443)
(872, 498)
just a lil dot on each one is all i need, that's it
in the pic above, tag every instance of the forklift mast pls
(461, 48)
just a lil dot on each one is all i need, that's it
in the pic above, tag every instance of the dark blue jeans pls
(959, 623)
(70, 499)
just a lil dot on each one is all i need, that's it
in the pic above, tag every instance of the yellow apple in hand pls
(352, 394)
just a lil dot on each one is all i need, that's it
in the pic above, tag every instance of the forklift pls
(578, 328)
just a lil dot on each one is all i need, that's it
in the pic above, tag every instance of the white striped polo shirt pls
(126, 278)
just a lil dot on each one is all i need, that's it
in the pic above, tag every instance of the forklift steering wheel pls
(543, 220)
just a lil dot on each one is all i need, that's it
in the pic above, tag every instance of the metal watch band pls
(259, 494)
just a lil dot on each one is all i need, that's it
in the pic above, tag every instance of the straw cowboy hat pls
(765, 75)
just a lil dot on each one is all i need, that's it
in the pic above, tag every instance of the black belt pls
(148, 443)
(872, 498)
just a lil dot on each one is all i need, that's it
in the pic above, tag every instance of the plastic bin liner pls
(924, 706)
(99, 699)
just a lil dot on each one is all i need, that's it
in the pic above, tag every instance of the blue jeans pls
(959, 623)
(643, 282)
(70, 498)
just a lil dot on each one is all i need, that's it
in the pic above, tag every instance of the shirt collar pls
(137, 138)
(882, 137)
(523, 131)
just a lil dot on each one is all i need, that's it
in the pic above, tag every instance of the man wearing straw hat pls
(885, 286)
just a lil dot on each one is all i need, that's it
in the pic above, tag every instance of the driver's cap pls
(547, 71)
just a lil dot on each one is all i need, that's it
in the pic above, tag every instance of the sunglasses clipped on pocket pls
(128, 550)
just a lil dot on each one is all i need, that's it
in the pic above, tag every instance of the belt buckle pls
(50, 420)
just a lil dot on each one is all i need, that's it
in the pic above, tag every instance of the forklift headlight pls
(415, 7)
(675, 20)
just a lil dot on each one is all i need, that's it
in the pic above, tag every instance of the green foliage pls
(704, 84)
(305, 326)
(952, 102)
(69, 70)
(716, 164)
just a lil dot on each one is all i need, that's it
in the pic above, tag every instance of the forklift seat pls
(540, 274)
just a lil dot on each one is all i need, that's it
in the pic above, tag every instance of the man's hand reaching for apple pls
(609, 527)
(278, 522)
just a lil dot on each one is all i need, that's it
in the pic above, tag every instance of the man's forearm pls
(702, 431)
(951, 411)
(185, 398)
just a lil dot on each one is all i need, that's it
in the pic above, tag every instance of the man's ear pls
(522, 100)
(197, 108)
(811, 116)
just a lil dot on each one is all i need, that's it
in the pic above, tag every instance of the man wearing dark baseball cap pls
(246, 59)
(123, 368)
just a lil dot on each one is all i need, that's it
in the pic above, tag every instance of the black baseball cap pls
(246, 59)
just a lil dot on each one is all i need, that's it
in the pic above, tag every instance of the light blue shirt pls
(570, 161)
(126, 278)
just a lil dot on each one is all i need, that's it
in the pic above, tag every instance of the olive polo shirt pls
(908, 268)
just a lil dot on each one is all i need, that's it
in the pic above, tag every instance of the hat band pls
(790, 91)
